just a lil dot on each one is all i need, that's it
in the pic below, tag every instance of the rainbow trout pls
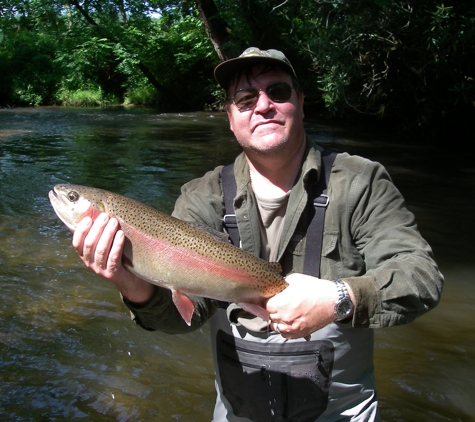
(175, 254)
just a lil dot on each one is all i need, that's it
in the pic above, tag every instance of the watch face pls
(344, 308)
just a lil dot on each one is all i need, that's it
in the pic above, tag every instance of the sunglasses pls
(246, 98)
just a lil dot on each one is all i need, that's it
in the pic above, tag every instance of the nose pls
(263, 102)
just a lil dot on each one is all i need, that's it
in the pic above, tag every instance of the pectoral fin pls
(184, 304)
(256, 310)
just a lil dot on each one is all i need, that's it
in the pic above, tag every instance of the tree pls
(28, 72)
(117, 20)
(406, 61)
(111, 47)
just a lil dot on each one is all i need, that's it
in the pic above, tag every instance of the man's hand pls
(305, 306)
(100, 244)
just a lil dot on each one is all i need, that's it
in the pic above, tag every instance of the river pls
(68, 350)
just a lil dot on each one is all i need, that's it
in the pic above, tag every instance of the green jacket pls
(370, 240)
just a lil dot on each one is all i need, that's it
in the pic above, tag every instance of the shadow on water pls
(68, 350)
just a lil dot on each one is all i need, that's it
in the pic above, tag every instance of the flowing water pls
(68, 350)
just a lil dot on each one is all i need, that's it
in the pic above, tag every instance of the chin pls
(276, 144)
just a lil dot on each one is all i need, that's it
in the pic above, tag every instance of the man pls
(375, 269)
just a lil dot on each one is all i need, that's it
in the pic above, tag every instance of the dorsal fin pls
(215, 233)
(276, 266)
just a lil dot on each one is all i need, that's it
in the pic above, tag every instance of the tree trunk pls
(217, 29)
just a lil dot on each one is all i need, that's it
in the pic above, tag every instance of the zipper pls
(318, 357)
(257, 352)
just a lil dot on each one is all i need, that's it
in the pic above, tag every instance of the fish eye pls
(73, 196)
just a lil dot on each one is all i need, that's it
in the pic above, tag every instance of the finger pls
(92, 238)
(281, 327)
(114, 262)
(80, 234)
(273, 305)
(285, 330)
(104, 244)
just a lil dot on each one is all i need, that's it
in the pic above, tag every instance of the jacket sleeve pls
(401, 279)
(200, 201)
(161, 314)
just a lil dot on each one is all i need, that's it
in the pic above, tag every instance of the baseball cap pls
(252, 56)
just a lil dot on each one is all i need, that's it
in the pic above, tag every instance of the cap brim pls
(225, 71)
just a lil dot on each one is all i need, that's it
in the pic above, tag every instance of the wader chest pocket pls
(275, 382)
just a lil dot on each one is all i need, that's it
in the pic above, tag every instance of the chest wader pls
(275, 379)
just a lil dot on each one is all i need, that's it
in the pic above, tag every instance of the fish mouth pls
(54, 198)
(52, 195)
(59, 207)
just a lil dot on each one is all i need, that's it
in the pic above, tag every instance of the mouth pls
(267, 122)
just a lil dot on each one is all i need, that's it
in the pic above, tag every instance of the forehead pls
(258, 75)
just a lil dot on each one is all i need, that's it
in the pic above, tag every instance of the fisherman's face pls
(268, 126)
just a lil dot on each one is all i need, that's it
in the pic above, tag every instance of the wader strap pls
(229, 191)
(313, 245)
(313, 248)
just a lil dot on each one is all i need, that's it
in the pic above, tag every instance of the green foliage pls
(94, 62)
(410, 61)
(184, 58)
(81, 97)
(28, 73)
(107, 51)
(141, 95)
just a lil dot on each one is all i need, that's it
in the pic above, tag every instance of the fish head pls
(72, 203)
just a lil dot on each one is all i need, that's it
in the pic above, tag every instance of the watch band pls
(342, 290)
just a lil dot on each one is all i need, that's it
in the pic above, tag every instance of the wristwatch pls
(344, 305)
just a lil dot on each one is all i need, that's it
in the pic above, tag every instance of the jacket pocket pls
(330, 243)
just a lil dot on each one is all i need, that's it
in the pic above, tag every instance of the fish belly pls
(187, 271)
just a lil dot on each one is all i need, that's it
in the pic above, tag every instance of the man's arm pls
(401, 280)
